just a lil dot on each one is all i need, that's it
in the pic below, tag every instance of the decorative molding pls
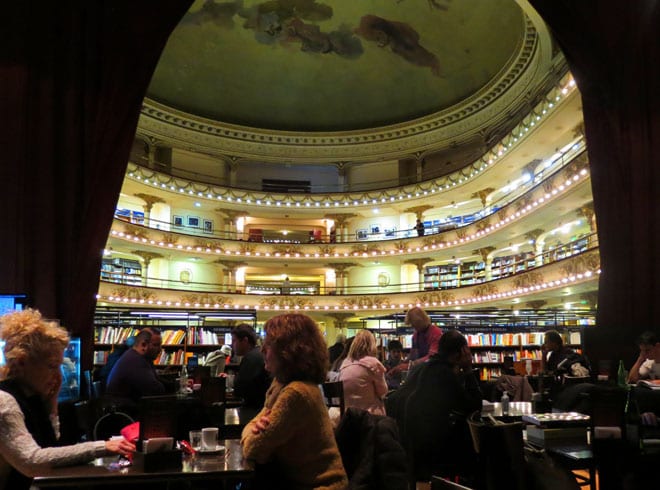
(489, 107)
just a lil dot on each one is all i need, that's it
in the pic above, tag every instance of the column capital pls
(419, 263)
(340, 219)
(483, 195)
(147, 256)
(231, 214)
(418, 210)
(149, 199)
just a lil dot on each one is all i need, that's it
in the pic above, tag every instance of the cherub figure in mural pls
(402, 39)
(220, 14)
(434, 4)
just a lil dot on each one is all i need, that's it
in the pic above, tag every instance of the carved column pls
(341, 274)
(487, 260)
(341, 224)
(587, 212)
(483, 195)
(419, 212)
(537, 304)
(341, 174)
(150, 201)
(340, 319)
(230, 227)
(233, 167)
(146, 257)
(538, 247)
(229, 278)
(419, 263)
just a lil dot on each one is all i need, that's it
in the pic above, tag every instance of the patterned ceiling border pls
(494, 105)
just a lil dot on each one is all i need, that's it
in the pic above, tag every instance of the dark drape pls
(613, 48)
(72, 78)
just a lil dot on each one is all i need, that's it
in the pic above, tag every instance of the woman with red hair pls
(293, 431)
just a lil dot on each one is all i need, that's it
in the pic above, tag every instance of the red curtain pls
(72, 78)
(613, 48)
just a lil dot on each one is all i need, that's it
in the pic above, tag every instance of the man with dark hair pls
(133, 375)
(113, 357)
(394, 359)
(556, 354)
(252, 380)
(443, 392)
(337, 348)
(647, 364)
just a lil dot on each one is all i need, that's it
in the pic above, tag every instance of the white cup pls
(209, 438)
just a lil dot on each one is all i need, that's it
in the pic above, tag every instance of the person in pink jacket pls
(363, 375)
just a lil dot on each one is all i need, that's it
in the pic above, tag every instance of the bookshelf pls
(494, 335)
(121, 271)
(454, 275)
(185, 333)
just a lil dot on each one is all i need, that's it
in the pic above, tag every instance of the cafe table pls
(222, 467)
(515, 412)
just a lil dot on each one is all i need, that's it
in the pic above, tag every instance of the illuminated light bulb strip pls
(542, 110)
(544, 199)
(509, 295)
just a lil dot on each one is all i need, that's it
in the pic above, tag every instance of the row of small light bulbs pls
(474, 236)
(432, 187)
(514, 294)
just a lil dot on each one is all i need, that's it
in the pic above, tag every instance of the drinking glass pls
(196, 439)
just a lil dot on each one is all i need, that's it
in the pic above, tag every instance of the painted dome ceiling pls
(334, 65)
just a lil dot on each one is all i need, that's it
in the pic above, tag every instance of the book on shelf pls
(173, 337)
(101, 356)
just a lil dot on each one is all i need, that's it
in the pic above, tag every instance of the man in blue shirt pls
(133, 375)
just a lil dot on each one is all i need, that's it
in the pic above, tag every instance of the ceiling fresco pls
(333, 65)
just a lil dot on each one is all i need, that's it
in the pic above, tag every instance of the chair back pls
(86, 390)
(607, 408)
(500, 454)
(333, 395)
(110, 424)
(438, 483)
(96, 391)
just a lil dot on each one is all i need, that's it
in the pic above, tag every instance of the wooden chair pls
(110, 424)
(438, 483)
(333, 395)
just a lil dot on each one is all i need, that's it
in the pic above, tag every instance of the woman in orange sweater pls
(293, 430)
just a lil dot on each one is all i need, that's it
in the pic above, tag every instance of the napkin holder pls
(157, 455)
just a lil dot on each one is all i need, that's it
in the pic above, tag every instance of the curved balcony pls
(526, 283)
(548, 194)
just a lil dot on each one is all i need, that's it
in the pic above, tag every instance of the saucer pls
(218, 449)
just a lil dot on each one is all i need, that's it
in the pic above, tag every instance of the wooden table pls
(515, 413)
(217, 468)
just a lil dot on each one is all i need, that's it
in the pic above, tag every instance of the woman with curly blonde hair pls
(293, 431)
(31, 380)
(364, 375)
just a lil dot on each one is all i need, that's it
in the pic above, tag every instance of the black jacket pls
(434, 418)
(373, 457)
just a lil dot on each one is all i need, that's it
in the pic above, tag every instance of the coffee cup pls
(209, 438)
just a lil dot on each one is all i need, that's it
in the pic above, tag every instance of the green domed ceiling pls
(333, 65)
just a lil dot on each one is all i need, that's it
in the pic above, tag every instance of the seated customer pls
(363, 375)
(647, 365)
(559, 359)
(252, 380)
(133, 375)
(113, 357)
(293, 430)
(29, 423)
(395, 357)
(445, 392)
